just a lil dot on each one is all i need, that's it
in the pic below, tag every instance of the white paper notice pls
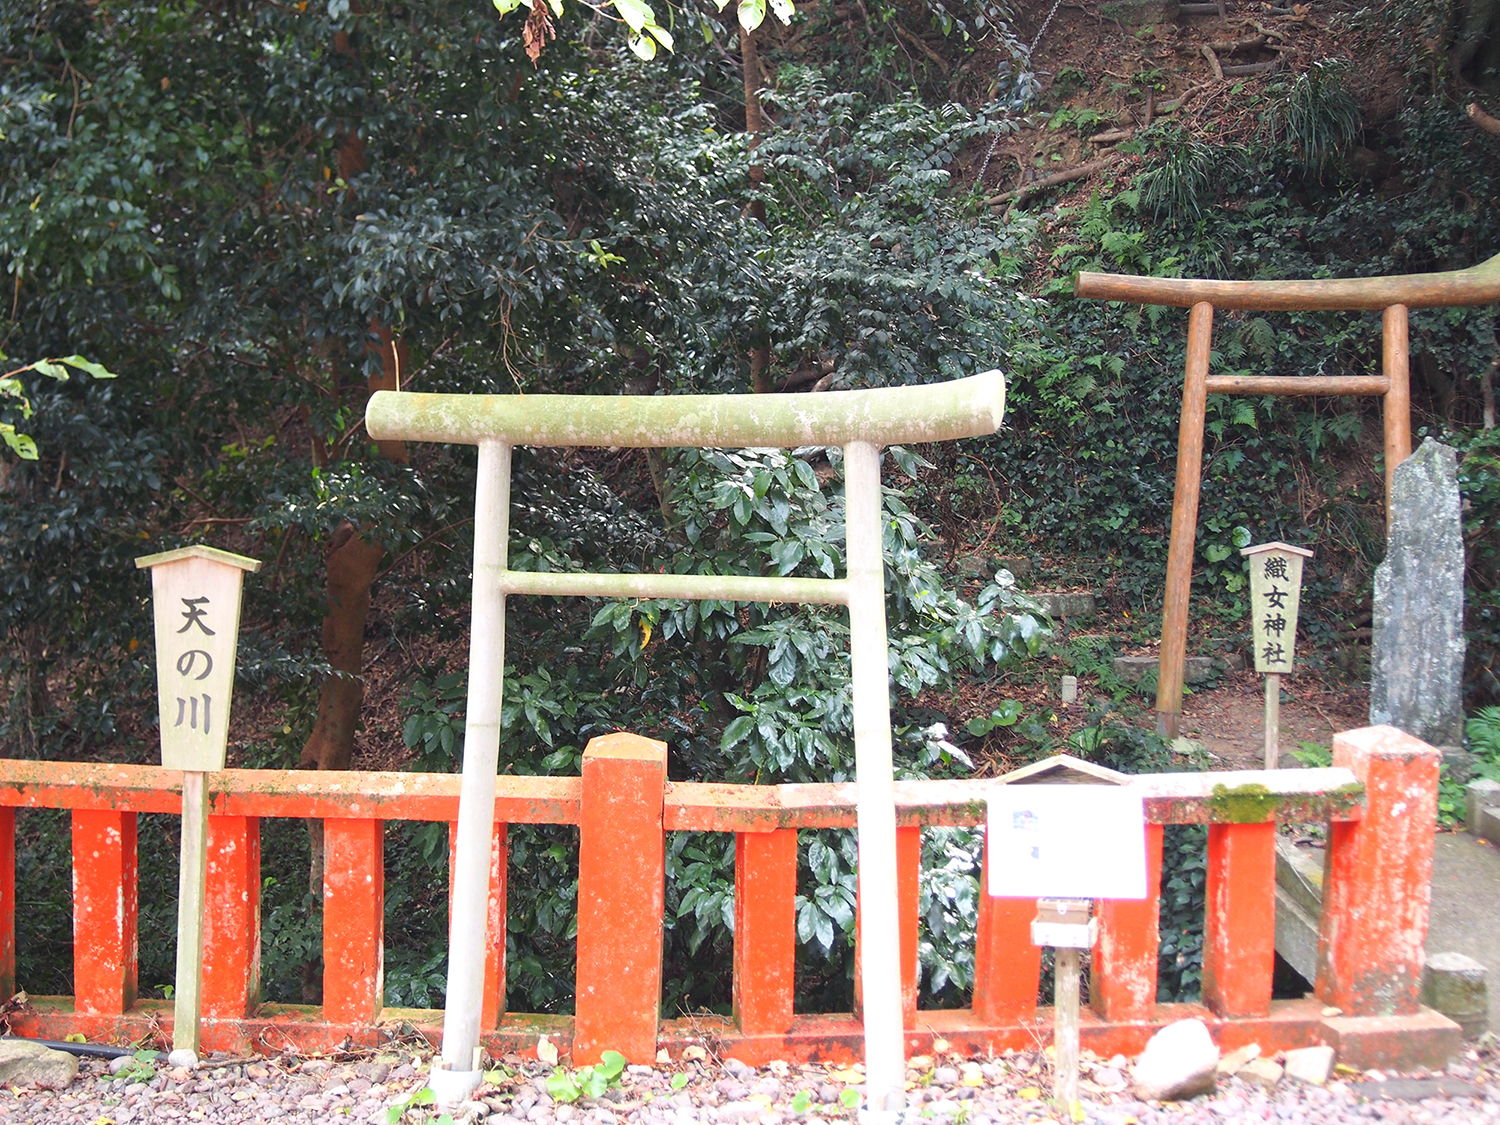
(1067, 841)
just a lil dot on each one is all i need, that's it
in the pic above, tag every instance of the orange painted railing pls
(1379, 801)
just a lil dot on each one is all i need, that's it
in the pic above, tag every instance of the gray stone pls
(1460, 763)
(1488, 827)
(1417, 659)
(1419, 1089)
(1455, 985)
(1068, 693)
(1070, 603)
(1260, 1072)
(1134, 669)
(23, 1063)
(1312, 1065)
(1179, 1062)
(1140, 13)
(1018, 565)
(945, 1076)
(1477, 794)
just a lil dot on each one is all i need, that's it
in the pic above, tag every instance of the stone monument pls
(1417, 663)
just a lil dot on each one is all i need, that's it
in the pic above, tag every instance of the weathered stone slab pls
(1488, 826)
(1070, 603)
(1134, 669)
(1180, 1061)
(1456, 986)
(1479, 794)
(1018, 565)
(1417, 662)
(1419, 1089)
(1140, 13)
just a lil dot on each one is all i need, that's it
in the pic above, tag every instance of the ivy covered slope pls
(255, 214)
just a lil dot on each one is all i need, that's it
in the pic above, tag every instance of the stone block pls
(1134, 669)
(1489, 824)
(1070, 603)
(1460, 763)
(1018, 565)
(1478, 794)
(1456, 986)
(1312, 1065)
(1140, 13)
(1264, 1073)
(1068, 693)
(1417, 653)
(1427, 1039)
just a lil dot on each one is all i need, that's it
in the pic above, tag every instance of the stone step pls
(1066, 603)
(1133, 669)
(1482, 808)
(1455, 985)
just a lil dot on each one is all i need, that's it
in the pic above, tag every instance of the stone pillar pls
(1417, 663)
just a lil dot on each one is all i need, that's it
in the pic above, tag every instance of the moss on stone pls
(1252, 803)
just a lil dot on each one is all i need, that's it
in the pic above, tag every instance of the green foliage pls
(1316, 116)
(565, 1085)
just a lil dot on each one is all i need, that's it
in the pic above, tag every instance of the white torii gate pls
(859, 421)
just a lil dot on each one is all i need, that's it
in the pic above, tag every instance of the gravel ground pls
(1007, 1090)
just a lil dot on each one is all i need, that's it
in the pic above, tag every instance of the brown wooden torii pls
(1393, 296)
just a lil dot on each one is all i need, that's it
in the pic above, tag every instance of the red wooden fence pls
(1379, 800)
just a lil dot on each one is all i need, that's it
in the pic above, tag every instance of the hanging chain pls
(1035, 39)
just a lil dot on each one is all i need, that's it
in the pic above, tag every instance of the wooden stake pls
(1273, 718)
(1395, 357)
(1065, 1009)
(1184, 522)
(191, 892)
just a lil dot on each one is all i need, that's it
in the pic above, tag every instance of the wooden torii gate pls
(1392, 296)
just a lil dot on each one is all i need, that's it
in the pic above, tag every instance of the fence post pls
(493, 1008)
(231, 930)
(7, 900)
(1239, 938)
(765, 930)
(104, 911)
(353, 920)
(1007, 967)
(1122, 974)
(621, 896)
(1378, 883)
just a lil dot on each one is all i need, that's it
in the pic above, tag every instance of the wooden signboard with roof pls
(196, 601)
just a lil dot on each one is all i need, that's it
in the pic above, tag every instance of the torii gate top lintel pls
(969, 407)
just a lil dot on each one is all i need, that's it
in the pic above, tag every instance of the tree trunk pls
(755, 125)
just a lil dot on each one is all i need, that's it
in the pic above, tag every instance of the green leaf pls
(51, 369)
(802, 1102)
(642, 45)
(752, 14)
(635, 13)
(679, 1080)
(97, 370)
(736, 732)
(611, 1064)
(849, 1097)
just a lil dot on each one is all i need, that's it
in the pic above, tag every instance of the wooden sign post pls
(1064, 925)
(196, 598)
(1275, 595)
(1064, 827)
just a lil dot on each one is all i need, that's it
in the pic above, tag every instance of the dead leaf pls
(546, 1051)
(538, 31)
(847, 1076)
